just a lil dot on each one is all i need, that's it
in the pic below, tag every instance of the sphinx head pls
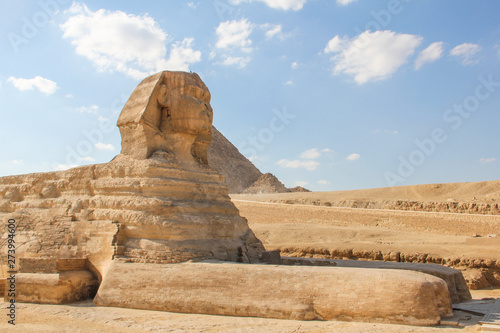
(185, 105)
(171, 112)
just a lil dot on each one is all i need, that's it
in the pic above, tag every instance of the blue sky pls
(330, 95)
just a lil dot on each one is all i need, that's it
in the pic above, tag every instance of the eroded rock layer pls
(287, 292)
(136, 210)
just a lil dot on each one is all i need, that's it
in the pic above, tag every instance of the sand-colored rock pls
(267, 183)
(286, 292)
(299, 189)
(368, 234)
(155, 202)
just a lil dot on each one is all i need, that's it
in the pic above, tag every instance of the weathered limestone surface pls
(138, 219)
(55, 288)
(288, 292)
(457, 286)
(155, 202)
(53, 281)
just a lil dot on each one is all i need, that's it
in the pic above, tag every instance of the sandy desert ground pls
(84, 317)
(305, 227)
(326, 225)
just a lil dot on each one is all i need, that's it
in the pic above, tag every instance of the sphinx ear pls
(163, 95)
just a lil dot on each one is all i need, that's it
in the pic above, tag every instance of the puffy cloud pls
(104, 146)
(301, 183)
(273, 30)
(310, 154)
(466, 51)
(432, 53)
(296, 164)
(295, 65)
(289, 83)
(372, 56)
(277, 4)
(335, 45)
(89, 109)
(323, 182)
(126, 43)
(314, 153)
(487, 160)
(353, 157)
(238, 61)
(235, 34)
(42, 84)
(88, 159)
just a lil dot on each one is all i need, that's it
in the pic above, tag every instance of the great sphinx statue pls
(155, 229)
(168, 112)
(157, 201)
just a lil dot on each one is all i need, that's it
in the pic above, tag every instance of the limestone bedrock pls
(158, 204)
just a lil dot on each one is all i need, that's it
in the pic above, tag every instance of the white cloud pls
(69, 96)
(301, 183)
(126, 43)
(296, 164)
(235, 34)
(42, 84)
(372, 56)
(238, 61)
(89, 109)
(335, 45)
(326, 150)
(295, 65)
(432, 53)
(62, 167)
(273, 30)
(487, 160)
(310, 154)
(88, 159)
(101, 119)
(289, 83)
(17, 162)
(466, 51)
(277, 4)
(104, 146)
(345, 2)
(193, 5)
(258, 158)
(323, 182)
(353, 157)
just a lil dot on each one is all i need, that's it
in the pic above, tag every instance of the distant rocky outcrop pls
(267, 183)
(299, 189)
(411, 205)
(241, 175)
(224, 157)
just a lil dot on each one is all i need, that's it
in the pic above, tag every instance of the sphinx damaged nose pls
(207, 111)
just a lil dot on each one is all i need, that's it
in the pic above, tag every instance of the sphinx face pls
(186, 108)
